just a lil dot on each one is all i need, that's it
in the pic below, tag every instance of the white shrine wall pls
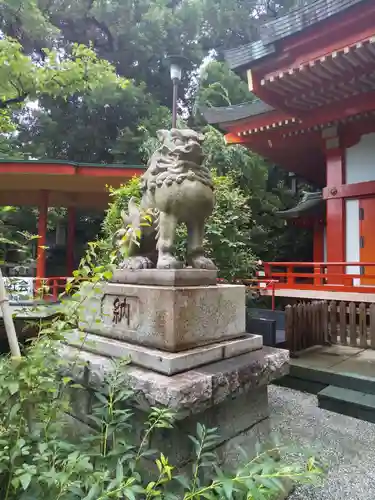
(359, 167)
(360, 160)
(352, 236)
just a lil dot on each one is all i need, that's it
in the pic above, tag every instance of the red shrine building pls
(312, 74)
(47, 183)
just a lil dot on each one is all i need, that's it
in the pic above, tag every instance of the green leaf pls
(119, 472)
(13, 387)
(25, 480)
(183, 480)
(101, 398)
(228, 488)
(93, 493)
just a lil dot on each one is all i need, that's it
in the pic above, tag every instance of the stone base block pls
(168, 318)
(161, 361)
(190, 392)
(165, 277)
(230, 395)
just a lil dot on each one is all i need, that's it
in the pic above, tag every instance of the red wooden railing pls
(321, 275)
(50, 288)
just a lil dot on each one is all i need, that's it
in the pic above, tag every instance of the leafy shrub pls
(39, 459)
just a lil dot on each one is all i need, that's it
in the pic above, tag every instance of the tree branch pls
(104, 30)
(16, 100)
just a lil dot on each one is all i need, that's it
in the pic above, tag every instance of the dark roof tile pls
(293, 22)
(225, 114)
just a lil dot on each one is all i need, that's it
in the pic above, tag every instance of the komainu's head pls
(179, 157)
(184, 144)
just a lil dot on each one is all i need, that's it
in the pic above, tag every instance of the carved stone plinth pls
(170, 318)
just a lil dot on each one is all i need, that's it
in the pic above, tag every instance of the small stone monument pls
(184, 332)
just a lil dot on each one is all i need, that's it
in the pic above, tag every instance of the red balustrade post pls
(290, 275)
(55, 291)
(318, 250)
(70, 241)
(267, 270)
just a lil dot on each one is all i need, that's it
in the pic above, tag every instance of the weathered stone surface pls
(193, 391)
(231, 418)
(162, 361)
(168, 318)
(231, 452)
(165, 277)
(230, 395)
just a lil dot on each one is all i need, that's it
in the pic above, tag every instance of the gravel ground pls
(346, 444)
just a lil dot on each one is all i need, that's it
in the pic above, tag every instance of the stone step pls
(325, 377)
(348, 402)
(301, 385)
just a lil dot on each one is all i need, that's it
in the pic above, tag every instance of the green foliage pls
(219, 86)
(227, 230)
(105, 125)
(121, 198)
(21, 78)
(266, 190)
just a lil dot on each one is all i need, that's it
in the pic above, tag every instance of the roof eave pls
(297, 20)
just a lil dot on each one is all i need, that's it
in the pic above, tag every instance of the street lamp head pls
(176, 72)
(176, 64)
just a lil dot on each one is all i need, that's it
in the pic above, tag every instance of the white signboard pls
(19, 288)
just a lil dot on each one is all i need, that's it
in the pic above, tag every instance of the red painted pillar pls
(335, 164)
(42, 235)
(70, 241)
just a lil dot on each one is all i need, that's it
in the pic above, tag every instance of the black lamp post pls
(176, 65)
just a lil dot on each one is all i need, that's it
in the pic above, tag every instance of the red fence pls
(322, 275)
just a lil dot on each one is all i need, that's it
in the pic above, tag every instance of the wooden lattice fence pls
(319, 323)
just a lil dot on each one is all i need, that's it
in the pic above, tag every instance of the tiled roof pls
(225, 114)
(310, 202)
(241, 56)
(293, 22)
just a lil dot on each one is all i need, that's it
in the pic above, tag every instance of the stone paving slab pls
(355, 368)
(338, 359)
(317, 360)
(340, 350)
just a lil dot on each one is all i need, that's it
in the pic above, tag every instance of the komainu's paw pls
(168, 261)
(201, 262)
(137, 263)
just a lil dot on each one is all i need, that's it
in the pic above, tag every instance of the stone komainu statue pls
(176, 188)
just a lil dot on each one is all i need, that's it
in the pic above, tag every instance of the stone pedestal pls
(186, 338)
(168, 317)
